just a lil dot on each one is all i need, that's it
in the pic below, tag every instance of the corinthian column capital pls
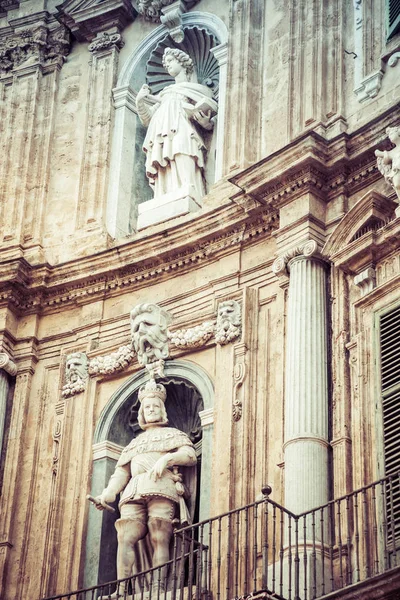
(7, 364)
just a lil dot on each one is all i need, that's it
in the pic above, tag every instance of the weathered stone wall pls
(297, 164)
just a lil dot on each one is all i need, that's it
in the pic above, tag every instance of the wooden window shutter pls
(393, 17)
(390, 386)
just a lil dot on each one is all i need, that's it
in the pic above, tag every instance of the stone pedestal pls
(174, 204)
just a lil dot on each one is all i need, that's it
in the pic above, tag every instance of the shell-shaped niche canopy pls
(197, 43)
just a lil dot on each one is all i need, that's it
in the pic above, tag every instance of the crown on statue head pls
(154, 389)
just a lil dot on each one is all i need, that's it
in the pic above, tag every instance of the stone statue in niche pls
(149, 328)
(154, 491)
(174, 146)
(389, 160)
(229, 322)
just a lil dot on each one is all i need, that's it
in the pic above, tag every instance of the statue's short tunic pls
(142, 454)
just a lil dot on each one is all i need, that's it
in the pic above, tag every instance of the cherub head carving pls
(149, 327)
(229, 321)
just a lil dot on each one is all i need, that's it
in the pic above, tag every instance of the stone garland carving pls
(76, 374)
(193, 337)
(112, 363)
(35, 45)
(388, 161)
(229, 322)
(105, 41)
(150, 341)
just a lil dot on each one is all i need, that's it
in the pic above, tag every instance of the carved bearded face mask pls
(76, 367)
(149, 325)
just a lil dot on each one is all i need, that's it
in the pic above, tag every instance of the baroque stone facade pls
(259, 309)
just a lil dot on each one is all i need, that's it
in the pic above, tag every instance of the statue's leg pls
(189, 173)
(131, 528)
(161, 513)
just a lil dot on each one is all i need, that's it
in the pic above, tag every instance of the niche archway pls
(126, 174)
(189, 401)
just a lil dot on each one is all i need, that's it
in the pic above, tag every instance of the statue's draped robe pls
(171, 134)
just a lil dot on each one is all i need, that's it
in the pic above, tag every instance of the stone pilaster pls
(306, 393)
(31, 58)
(94, 170)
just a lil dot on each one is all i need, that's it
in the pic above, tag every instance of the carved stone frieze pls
(229, 322)
(76, 374)
(112, 363)
(193, 337)
(22, 292)
(35, 45)
(149, 328)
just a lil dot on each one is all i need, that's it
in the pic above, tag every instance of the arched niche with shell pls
(205, 41)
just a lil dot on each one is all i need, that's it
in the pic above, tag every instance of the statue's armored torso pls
(142, 453)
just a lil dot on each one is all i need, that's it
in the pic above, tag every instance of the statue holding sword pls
(154, 493)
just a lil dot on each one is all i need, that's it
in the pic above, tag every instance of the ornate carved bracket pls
(106, 41)
(167, 12)
(366, 280)
(239, 375)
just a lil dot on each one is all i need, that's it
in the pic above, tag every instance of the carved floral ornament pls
(37, 45)
(150, 342)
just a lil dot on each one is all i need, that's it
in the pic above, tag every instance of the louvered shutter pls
(393, 17)
(390, 385)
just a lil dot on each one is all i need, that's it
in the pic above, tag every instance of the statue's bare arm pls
(184, 456)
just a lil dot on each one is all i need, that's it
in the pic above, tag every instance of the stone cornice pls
(88, 18)
(313, 164)
(146, 259)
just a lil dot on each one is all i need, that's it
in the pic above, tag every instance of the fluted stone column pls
(306, 381)
(7, 366)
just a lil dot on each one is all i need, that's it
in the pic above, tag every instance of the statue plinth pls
(176, 203)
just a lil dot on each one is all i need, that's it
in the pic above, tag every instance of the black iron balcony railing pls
(263, 546)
